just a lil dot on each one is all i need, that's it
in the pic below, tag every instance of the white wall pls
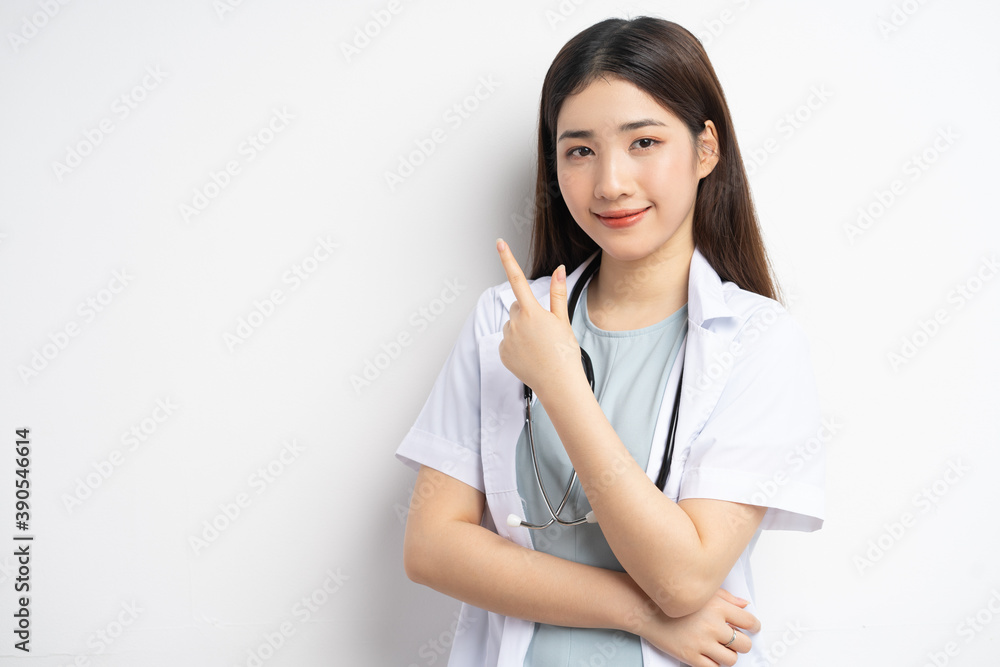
(892, 577)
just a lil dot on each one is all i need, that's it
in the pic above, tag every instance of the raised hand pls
(538, 345)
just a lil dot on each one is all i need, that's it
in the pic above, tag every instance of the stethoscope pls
(588, 367)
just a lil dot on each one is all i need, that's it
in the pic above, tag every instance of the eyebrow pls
(624, 127)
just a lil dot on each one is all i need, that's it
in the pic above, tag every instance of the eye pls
(645, 143)
(579, 151)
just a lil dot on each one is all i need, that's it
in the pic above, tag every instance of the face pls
(628, 169)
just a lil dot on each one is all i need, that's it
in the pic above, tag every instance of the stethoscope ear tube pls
(668, 452)
(587, 274)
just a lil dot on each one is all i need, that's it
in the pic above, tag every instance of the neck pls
(632, 294)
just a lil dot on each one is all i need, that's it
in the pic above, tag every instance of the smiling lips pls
(624, 217)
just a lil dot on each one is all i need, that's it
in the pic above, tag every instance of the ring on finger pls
(729, 643)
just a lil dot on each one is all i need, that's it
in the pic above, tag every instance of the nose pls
(613, 178)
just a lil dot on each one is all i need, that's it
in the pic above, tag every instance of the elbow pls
(415, 562)
(681, 607)
(419, 555)
(678, 597)
(411, 565)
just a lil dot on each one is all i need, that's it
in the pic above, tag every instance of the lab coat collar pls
(705, 297)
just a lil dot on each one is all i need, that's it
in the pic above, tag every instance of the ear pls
(708, 149)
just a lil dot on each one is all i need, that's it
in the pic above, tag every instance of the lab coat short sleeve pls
(762, 443)
(446, 434)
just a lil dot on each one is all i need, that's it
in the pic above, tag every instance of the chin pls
(626, 252)
(631, 250)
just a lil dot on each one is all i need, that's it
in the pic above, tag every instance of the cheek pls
(674, 178)
(573, 188)
(670, 167)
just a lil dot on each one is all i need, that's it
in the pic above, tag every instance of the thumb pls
(557, 294)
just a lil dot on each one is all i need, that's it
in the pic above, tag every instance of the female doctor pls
(559, 532)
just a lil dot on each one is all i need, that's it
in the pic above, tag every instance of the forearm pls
(452, 556)
(655, 539)
(475, 565)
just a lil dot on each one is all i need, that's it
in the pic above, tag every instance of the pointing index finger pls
(518, 283)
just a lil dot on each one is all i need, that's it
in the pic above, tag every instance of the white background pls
(891, 579)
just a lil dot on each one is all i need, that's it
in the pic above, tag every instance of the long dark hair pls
(669, 64)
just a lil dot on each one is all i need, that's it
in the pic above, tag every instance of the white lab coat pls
(748, 431)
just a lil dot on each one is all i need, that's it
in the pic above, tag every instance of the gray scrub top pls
(630, 375)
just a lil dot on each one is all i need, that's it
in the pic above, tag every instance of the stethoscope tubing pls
(555, 512)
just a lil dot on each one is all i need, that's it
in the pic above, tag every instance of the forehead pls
(609, 102)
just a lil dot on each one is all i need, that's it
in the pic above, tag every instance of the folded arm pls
(679, 553)
(447, 549)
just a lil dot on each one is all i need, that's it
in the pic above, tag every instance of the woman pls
(641, 192)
